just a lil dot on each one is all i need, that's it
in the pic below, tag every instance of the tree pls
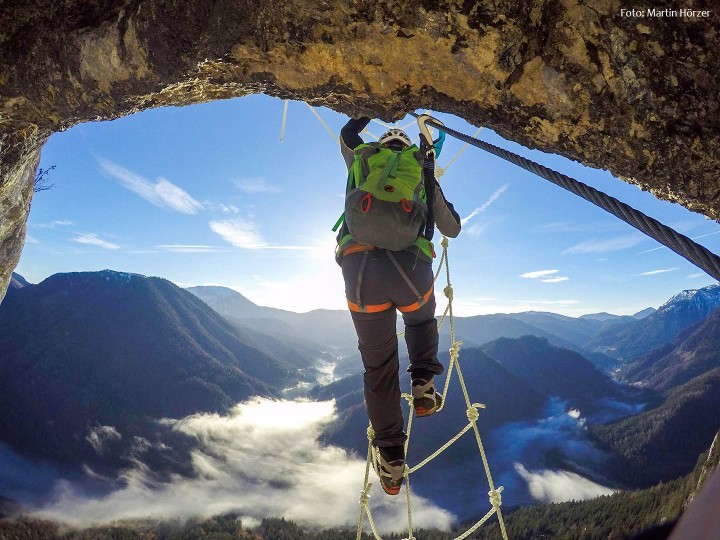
(41, 180)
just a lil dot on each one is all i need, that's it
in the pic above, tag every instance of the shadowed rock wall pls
(637, 95)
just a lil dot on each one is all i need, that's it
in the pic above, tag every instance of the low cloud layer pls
(559, 486)
(263, 459)
(522, 453)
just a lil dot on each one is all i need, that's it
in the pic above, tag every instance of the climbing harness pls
(679, 243)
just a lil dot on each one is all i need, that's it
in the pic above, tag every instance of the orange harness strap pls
(417, 305)
(377, 308)
(357, 248)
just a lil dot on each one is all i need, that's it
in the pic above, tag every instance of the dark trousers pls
(381, 283)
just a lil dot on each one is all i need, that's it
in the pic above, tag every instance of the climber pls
(386, 263)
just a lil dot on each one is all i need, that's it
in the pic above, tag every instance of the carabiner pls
(424, 130)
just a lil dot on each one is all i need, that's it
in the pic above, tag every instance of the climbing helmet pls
(395, 134)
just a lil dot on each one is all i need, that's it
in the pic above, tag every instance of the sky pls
(209, 195)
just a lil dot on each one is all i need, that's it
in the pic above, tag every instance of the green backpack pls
(385, 202)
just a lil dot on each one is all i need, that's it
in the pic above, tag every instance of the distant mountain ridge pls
(331, 328)
(634, 339)
(554, 371)
(695, 351)
(17, 281)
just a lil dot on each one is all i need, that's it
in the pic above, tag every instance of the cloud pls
(263, 459)
(693, 238)
(163, 193)
(54, 224)
(100, 434)
(538, 273)
(244, 234)
(697, 275)
(92, 239)
(180, 248)
(559, 486)
(605, 246)
(255, 185)
(556, 279)
(494, 197)
(475, 230)
(655, 272)
(543, 276)
(30, 240)
(239, 232)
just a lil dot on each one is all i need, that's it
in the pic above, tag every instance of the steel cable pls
(679, 243)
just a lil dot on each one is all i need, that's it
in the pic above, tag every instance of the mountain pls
(554, 371)
(628, 341)
(644, 313)
(603, 316)
(17, 281)
(333, 329)
(89, 358)
(695, 351)
(663, 443)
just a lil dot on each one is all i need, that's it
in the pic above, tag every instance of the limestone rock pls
(637, 95)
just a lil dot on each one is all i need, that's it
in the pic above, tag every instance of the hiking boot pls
(391, 469)
(425, 399)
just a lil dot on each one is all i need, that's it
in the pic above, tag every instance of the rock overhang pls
(632, 93)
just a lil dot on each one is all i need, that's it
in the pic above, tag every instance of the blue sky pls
(209, 195)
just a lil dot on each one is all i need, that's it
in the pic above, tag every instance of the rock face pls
(633, 93)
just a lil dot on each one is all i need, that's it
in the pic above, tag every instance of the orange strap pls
(377, 308)
(417, 305)
(357, 248)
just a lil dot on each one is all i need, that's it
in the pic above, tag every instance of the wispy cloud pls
(93, 240)
(239, 232)
(655, 272)
(544, 276)
(263, 459)
(30, 240)
(665, 247)
(494, 197)
(244, 234)
(475, 230)
(180, 248)
(255, 185)
(538, 273)
(162, 193)
(697, 275)
(54, 224)
(605, 246)
(556, 279)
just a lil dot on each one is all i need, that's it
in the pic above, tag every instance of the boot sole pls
(420, 412)
(390, 491)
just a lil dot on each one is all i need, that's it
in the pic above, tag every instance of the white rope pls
(330, 131)
(284, 121)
